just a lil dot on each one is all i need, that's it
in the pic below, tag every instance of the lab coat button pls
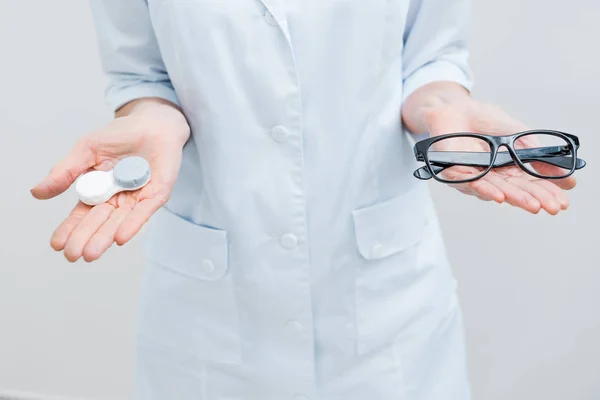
(270, 18)
(295, 325)
(208, 266)
(279, 134)
(289, 241)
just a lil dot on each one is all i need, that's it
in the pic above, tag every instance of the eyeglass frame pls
(421, 149)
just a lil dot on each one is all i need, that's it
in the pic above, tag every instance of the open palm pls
(90, 230)
(507, 184)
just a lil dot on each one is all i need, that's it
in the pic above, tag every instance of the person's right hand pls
(155, 131)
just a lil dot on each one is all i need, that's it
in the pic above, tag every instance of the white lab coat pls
(298, 258)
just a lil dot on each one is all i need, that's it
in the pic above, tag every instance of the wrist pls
(426, 105)
(458, 110)
(157, 115)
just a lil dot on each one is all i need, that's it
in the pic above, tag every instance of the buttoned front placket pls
(275, 15)
(295, 333)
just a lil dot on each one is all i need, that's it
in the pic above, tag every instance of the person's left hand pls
(508, 184)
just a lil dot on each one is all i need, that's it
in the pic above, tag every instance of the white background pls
(529, 284)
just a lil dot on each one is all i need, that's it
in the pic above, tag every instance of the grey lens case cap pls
(132, 172)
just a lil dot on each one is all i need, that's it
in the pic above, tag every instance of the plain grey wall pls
(529, 284)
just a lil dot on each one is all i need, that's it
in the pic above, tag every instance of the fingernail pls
(35, 186)
(39, 186)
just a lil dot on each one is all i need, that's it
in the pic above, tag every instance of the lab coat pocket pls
(388, 228)
(389, 275)
(188, 298)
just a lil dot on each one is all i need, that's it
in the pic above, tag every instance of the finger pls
(567, 183)
(140, 214)
(463, 188)
(61, 177)
(105, 236)
(479, 188)
(545, 169)
(560, 194)
(461, 173)
(62, 233)
(86, 229)
(514, 195)
(487, 191)
(546, 199)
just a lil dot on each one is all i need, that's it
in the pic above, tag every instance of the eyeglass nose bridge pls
(505, 141)
(508, 144)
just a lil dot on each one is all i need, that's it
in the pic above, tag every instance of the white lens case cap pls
(97, 187)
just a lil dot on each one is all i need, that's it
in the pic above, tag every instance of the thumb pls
(62, 175)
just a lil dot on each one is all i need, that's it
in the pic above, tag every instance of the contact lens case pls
(97, 187)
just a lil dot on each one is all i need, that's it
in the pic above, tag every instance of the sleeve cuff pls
(117, 96)
(437, 71)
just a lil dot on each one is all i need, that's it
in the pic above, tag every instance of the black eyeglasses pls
(466, 157)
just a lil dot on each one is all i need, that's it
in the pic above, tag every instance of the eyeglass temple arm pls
(482, 159)
(503, 159)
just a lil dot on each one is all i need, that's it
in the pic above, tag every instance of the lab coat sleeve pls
(129, 52)
(435, 44)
